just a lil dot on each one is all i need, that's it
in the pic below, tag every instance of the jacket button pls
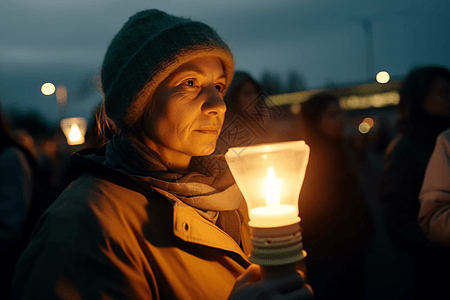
(185, 226)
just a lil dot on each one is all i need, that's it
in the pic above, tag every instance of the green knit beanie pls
(148, 48)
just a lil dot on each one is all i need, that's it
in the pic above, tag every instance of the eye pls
(191, 82)
(220, 87)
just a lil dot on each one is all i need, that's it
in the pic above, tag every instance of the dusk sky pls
(63, 42)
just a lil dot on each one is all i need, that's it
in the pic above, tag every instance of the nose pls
(214, 103)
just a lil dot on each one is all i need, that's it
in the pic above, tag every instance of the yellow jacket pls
(101, 240)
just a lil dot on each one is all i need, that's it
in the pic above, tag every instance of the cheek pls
(158, 127)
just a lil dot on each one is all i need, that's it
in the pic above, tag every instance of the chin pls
(206, 149)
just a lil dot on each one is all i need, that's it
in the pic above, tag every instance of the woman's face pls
(437, 101)
(189, 111)
(332, 122)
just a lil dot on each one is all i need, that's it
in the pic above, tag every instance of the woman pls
(336, 222)
(424, 112)
(146, 220)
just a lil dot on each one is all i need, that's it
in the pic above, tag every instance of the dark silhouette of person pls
(249, 120)
(20, 205)
(337, 224)
(424, 112)
(383, 137)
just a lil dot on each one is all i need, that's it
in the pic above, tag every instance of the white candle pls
(273, 214)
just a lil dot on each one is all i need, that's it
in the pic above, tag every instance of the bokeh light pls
(74, 129)
(364, 128)
(369, 121)
(295, 108)
(61, 95)
(383, 77)
(367, 101)
(48, 88)
(75, 133)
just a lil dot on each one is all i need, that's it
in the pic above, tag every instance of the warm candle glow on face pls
(272, 189)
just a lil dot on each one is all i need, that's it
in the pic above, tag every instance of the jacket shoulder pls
(91, 230)
(91, 207)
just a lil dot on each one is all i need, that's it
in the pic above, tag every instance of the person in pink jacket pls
(434, 213)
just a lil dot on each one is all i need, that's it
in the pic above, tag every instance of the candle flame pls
(75, 133)
(272, 189)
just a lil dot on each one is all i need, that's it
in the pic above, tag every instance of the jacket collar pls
(189, 226)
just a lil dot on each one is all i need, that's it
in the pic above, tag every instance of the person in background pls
(249, 120)
(18, 202)
(51, 165)
(435, 193)
(424, 112)
(383, 137)
(27, 140)
(241, 95)
(148, 217)
(337, 224)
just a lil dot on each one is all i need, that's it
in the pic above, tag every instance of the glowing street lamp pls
(270, 177)
(74, 129)
(383, 77)
(48, 88)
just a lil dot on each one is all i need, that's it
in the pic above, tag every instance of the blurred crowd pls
(347, 201)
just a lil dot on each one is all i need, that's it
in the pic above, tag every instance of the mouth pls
(216, 132)
(209, 129)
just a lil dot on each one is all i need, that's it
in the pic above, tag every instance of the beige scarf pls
(208, 186)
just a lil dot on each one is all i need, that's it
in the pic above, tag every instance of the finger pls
(309, 288)
(251, 274)
(301, 274)
(304, 280)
